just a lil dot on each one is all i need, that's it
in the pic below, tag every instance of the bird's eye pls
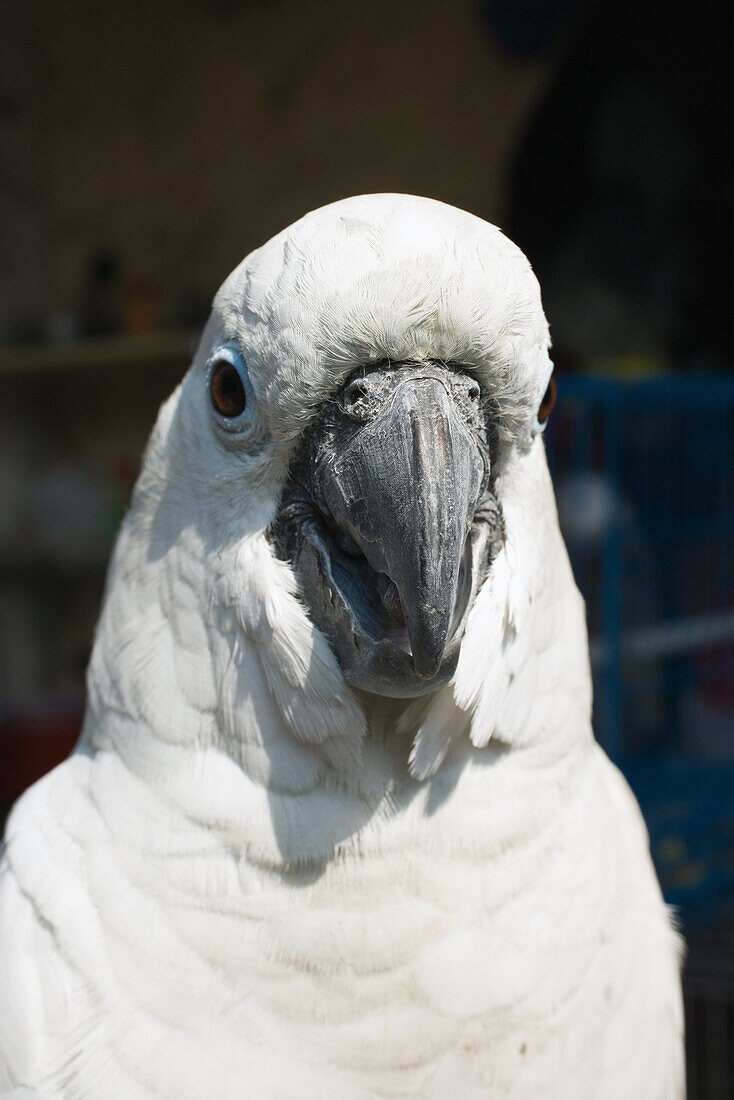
(549, 400)
(227, 390)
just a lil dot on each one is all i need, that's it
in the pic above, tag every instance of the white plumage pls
(251, 880)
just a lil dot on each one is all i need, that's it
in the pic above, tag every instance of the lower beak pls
(406, 488)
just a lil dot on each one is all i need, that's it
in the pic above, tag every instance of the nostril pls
(355, 392)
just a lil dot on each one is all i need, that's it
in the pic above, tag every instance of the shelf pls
(45, 567)
(100, 352)
(668, 639)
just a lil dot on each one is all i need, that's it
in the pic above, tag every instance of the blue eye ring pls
(229, 391)
(226, 389)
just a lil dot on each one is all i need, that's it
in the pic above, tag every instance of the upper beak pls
(406, 487)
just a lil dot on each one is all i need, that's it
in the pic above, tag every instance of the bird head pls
(349, 483)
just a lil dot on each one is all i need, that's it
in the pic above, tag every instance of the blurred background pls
(145, 148)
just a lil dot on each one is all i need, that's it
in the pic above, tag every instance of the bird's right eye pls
(549, 400)
(226, 389)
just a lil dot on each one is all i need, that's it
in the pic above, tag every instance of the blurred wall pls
(181, 135)
(23, 236)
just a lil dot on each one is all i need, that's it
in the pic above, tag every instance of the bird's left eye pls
(226, 389)
(549, 400)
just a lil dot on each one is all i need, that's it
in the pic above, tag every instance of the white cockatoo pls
(337, 825)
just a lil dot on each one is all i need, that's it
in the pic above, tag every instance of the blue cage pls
(646, 500)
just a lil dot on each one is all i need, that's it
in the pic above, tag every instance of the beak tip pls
(427, 665)
(429, 635)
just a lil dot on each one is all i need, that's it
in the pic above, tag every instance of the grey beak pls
(406, 488)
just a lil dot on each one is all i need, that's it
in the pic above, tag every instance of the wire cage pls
(645, 494)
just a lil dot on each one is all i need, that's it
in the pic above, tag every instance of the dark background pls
(145, 148)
